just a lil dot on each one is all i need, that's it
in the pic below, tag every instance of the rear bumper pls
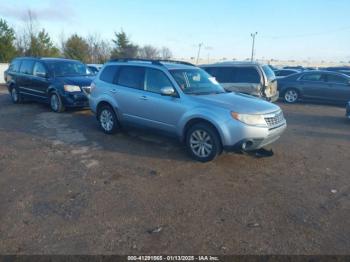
(273, 98)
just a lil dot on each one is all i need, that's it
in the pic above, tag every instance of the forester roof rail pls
(153, 61)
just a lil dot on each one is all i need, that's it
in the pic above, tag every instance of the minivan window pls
(196, 81)
(156, 80)
(39, 69)
(68, 68)
(132, 76)
(14, 67)
(223, 74)
(109, 73)
(27, 67)
(268, 72)
(247, 75)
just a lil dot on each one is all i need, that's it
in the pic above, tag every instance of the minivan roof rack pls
(153, 61)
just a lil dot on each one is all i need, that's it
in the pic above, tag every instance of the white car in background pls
(94, 68)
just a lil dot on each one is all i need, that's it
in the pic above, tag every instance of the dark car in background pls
(245, 77)
(59, 82)
(315, 85)
(348, 110)
(285, 72)
(339, 69)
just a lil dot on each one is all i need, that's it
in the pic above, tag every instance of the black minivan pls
(59, 82)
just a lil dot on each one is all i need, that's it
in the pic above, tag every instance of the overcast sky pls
(298, 29)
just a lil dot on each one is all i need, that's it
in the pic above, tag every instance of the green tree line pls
(90, 49)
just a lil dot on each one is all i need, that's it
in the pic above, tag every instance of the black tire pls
(206, 154)
(56, 103)
(16, 97)
(108, 120)
(291, 95)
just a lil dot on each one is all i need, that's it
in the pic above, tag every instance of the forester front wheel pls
(203, 142)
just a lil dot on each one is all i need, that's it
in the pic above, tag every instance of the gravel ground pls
(67, 188)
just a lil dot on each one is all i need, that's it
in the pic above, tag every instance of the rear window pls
(132, 76)
(269, 72)
(14, 67)
(27, 67)
(337, 79)
(109, 73)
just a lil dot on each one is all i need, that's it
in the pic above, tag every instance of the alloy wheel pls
(106, 120)
(54, 103)
(291, 96)
(14, 95)
(201, 143)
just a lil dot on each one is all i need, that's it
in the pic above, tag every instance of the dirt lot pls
(67, 188)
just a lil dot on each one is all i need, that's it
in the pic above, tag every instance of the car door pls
(159, 111)
(129, 93)
(24, 78)
(40, 81)
(338, 87)
(313, 85)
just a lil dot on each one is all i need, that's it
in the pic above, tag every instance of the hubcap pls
(106, 120)
(54, 102)
(291, 96)
(14, 95)
(201, 143)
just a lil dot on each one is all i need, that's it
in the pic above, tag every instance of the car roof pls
(46, 59)
(167, 64)
(233, 63)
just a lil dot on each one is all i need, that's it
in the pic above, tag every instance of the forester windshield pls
(69, 68)
(196, 81)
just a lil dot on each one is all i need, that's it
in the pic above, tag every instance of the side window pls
(336, 79)
(109, 73)
(247, 75)
(27, 67)
(156, 80)
(224, 74)
(313, 77)
(14, 67)
(132, 76)
(39, 70)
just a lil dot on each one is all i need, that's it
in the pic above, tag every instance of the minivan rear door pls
(24, 78)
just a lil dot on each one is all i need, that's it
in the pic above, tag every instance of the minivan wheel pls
(56, 104)
(291, 96)
(15, 96)
(108, 120)
(203, 142)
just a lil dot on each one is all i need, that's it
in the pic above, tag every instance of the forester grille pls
(275, 120)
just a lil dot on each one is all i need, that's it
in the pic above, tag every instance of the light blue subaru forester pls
(183, 100)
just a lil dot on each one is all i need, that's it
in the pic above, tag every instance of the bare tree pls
(99, 50)
(149, 52)
(166, 53)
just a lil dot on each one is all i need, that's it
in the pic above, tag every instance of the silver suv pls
(250, 78)
(185, 101)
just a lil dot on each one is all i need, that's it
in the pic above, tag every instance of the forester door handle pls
(113, 91)
(143, 97)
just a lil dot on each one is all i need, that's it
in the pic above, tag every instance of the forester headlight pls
(253, 120)
(71, 88)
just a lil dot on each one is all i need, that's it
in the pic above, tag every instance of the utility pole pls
(253, 35)
(199, 51)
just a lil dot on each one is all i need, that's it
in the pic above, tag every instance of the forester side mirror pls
(167, 91)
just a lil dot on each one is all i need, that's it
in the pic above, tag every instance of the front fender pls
(217, 119)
